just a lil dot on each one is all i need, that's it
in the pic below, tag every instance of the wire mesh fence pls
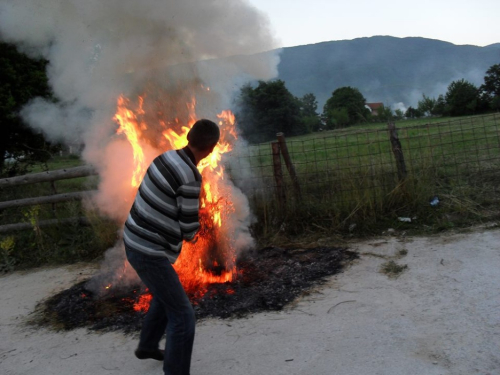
(349, 168)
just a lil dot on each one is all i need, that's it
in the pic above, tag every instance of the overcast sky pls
(298, 22)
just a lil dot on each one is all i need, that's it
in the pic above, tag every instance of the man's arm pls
(188, 203)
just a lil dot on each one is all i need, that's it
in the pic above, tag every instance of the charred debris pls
(268, 280)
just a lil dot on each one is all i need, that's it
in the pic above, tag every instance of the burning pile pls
(267, 279)
(212, 259)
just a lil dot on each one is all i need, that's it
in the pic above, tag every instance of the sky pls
(300, 22)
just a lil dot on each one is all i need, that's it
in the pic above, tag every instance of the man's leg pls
(153, 326)
(171, 308)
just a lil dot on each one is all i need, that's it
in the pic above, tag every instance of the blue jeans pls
(170, 312)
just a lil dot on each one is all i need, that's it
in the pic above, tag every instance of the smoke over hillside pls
(151, 53)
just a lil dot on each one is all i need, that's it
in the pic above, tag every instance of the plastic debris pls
(434, 201)
(405, 219)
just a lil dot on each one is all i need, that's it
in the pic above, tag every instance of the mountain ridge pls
(395, 71)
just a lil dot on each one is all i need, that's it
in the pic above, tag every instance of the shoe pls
(157, 354)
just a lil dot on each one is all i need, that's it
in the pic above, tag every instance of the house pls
(373, 107)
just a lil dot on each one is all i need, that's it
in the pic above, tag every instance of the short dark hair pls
(203, 135)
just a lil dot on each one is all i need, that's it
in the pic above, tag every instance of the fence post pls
(278, 173)
(288, 162)
(397, 151)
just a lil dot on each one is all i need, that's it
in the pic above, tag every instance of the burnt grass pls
(270, 278)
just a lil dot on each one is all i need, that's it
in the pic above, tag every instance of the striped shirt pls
(165, 209)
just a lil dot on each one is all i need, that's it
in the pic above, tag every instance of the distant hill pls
(385, 69)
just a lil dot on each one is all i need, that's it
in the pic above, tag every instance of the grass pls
(59, 162)
(366, 146)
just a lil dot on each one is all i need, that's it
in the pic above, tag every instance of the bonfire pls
(212, 259)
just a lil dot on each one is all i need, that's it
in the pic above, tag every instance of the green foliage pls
(413, 113)
(308, 105)
(308, 110)
(384, 114)
(399, 114)
(337, 118)
(439, 107)
(7, 261)
(426, 105)
(392, 269)
(23, 79)
(345, 100)
(59, 243)
(268, 109)
(462, 98)
(491, 87)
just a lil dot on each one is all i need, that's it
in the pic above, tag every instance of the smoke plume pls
(167, 51)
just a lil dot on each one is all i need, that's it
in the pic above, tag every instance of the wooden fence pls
(49, 176)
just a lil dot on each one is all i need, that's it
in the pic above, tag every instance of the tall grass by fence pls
(350, 178)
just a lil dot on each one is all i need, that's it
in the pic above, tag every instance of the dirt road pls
(441, 316)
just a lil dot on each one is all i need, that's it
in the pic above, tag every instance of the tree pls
(339, 118)
(384, 113)
(491, 87)
(347, 98)
(308, 105)
(268, 109)
(439, 107)
(462, 98)
(308, 111)
(426, 105)
(399, 114)
(23, 79)
(413, 113)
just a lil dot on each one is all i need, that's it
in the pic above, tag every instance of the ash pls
(268, 279)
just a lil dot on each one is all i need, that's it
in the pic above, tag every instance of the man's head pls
(203, 137)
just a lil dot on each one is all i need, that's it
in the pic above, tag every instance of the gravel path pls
(440, 316)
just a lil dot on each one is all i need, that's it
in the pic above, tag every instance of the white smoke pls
(400, 105)
(163, 49)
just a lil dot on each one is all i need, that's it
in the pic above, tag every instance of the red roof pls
(374, 106)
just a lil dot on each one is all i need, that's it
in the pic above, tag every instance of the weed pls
(392, 269)
(402, 253)
(7, 261)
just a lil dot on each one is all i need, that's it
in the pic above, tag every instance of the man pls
(164, 213)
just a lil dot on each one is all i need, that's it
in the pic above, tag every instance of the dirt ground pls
(440, 316)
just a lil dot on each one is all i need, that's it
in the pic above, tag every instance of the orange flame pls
(143, 302)
(131, 127)
(211, 259)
